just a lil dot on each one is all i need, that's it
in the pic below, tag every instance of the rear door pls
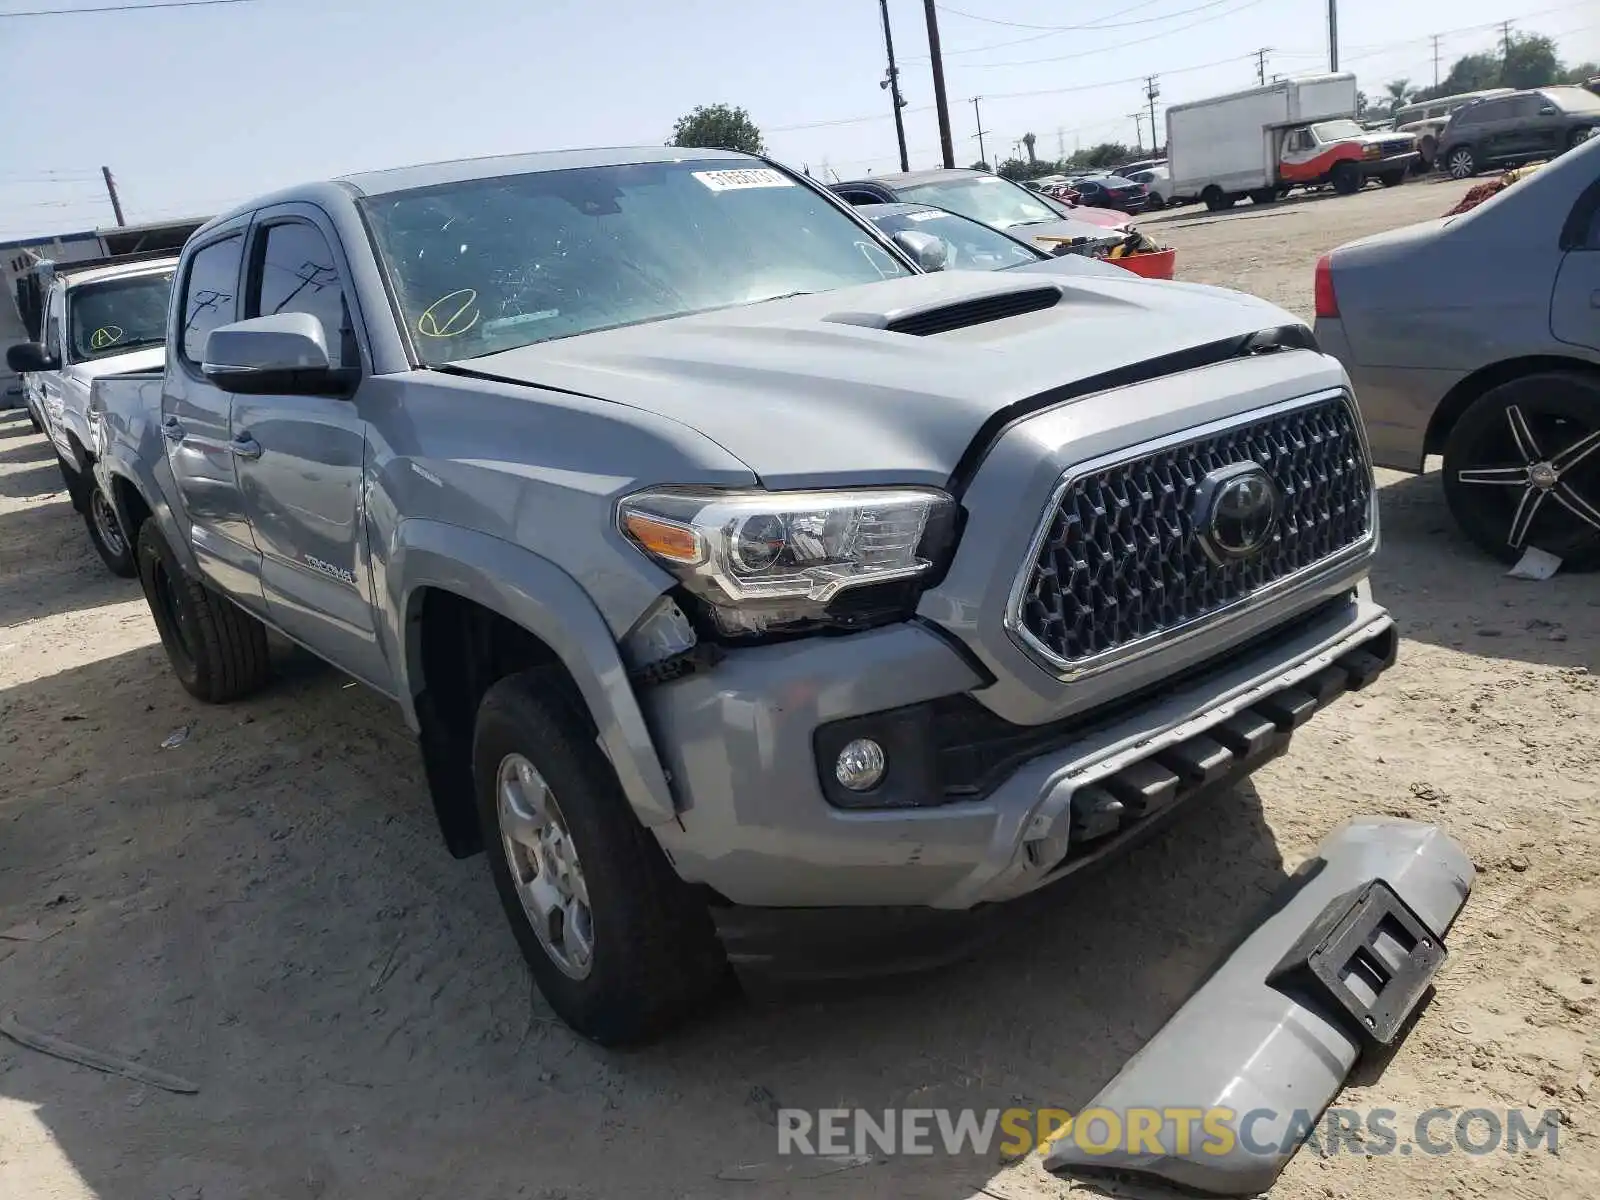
(302, 475)
(1497, 138)
(48, 383)
(196, 417)
(1575, 301)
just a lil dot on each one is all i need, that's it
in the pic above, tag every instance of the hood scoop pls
(978, 311)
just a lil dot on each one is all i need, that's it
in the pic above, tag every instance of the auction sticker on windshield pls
(750, 177)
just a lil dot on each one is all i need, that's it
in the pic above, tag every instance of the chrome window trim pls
(1069, 670)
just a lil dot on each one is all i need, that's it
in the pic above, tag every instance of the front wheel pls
(1461, 163)
(621, 948)
(1522, 469)
(1393, 178)
(217, 650)
(1346, 178)
(1578, 137)
(105, 531)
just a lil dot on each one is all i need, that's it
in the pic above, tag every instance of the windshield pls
(969, 245)
(117, 315)
(986, 198)
(492, 264)
(1333, 131)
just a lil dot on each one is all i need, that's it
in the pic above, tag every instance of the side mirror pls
(31, 356)
(285, 353)
(928, 252)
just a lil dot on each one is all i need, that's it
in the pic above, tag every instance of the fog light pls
(861, 765)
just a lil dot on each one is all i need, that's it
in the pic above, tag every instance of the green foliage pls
(718, 127)
(1532, 62)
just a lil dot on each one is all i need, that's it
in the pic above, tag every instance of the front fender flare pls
(540, 597)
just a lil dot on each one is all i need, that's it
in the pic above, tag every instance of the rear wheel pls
(619, 945)
(1216, 199)
(1393, 178)
(1578, 137)
(1460, 162)
(1155, 202)
(1346, 178)
(1522, 469)
(105, 531)
(217, 650)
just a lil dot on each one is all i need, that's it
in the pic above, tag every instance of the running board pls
(1342, 962)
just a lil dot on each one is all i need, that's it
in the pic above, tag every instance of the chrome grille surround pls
(1135, 504)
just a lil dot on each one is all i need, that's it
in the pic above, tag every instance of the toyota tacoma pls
(732, 570)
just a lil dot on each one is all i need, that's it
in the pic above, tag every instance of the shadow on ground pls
(1444, 590)
(267, 911)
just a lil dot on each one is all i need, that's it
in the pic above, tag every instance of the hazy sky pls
(196, 108)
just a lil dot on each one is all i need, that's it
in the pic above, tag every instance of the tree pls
(1471, 73)
(1106, 154)
(1530, 62)
(1583, 72)
(718, 127)
(980, 165)
(1362, 104)
(1399, 92)
(1028, 140)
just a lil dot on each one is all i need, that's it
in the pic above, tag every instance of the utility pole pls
(1061, 142)
(1151, 91)
(1505, 62)
(1261, 64)
(1436, 60)
(891, 81)
(977, 115)
(111, 190)
(1333, 35)
(938, 83)
(1138, 132)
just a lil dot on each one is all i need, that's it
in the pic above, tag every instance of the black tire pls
(1460, 162)
(655, 954)
(73, 479)
(34, 421)
(1266, 195)
(217, 650)
(1155, 203)
(1394, 178)
(1558, 411)
(1216, 199)
(105, 531)
(1578, 137)
(1346, 178)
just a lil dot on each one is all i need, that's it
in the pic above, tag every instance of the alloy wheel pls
(106, 524)
(545, 868)
(1552, 479)
(1461, 164)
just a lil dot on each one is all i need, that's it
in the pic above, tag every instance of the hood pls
(817, 390)
(1106, 218)
(151, 358)
(1389, 143)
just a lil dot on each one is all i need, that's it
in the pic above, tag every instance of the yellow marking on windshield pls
(439, 320)
(105, 337)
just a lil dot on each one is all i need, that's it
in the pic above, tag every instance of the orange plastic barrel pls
(1158, 264)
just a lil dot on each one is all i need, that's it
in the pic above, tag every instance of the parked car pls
(1113, 192)
(730, 567)
(1477, 338)
(1522, 127)
(968, 245)
(1159, 182)
(101, 317)
(1126, 170)
(1426, 119)
(1264, 141)
(991, 199)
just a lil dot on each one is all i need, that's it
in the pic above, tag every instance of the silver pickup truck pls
(732, 569)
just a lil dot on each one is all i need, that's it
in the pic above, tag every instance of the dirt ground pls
(266, 910)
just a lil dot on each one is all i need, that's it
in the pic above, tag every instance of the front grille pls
(1120, 560)
(975, 312)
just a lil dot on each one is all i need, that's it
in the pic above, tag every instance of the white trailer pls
(1265, 140)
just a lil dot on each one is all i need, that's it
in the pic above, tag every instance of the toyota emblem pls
(1236, 511)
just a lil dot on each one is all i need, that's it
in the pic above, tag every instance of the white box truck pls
(1267, 140)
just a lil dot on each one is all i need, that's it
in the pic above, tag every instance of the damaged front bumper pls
(1340, 964)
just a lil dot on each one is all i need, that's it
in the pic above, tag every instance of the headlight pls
(767, 559)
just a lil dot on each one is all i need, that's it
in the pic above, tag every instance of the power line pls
(116, 8)
(1106, 23)
(1100, 50)
(956, 12)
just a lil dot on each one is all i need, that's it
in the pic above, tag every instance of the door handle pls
(245, 446)
(172, 429)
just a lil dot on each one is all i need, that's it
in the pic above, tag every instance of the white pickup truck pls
(102, 317)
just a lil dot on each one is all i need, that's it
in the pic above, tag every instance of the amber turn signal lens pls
(664, 539)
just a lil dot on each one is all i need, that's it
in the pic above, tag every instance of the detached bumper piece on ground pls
(1345, 958)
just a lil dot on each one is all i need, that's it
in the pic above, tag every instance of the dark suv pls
(1521, 127)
